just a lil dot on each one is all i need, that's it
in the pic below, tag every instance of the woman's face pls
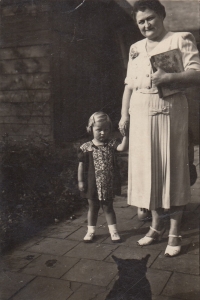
(150, 24)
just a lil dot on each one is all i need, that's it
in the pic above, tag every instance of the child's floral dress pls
(101, 173)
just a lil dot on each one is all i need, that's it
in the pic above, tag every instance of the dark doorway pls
(91, 41)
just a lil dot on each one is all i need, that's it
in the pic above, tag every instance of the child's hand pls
(81, 186)
(124, 130)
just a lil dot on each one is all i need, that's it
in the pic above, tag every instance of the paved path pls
(57, 265)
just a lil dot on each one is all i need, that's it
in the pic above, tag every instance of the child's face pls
(101, 131)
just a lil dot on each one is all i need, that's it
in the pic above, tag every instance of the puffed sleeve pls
(80, 155)
(133, 53)
(127, 80)
(190, 54)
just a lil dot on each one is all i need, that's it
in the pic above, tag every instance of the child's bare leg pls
(109, 212)
(92, 219)
(94, 207)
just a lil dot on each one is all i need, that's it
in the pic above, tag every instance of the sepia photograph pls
(99, 149)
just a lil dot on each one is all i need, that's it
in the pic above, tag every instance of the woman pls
(158, 153)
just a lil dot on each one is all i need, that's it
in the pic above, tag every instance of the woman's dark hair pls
(142, 5)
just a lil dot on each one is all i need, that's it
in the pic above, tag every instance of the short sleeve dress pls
(101, 172)
(158, 150)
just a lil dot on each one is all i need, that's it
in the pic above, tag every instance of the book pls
(170, 62)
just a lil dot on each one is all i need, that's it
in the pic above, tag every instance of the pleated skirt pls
(158, 173)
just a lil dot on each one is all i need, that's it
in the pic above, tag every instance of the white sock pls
(112, 228)
(91, 229)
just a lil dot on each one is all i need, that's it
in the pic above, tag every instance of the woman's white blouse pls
(139, 66)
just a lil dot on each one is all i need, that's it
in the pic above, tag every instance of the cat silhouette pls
(132, 283)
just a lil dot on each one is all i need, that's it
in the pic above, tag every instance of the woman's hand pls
(159, 77)
(124, 125)
(81, 186)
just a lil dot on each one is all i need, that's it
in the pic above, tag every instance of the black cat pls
(132, 283)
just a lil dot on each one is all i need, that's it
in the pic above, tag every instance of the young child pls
(96, 172)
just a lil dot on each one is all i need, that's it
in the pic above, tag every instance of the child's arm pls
(81, 184)
(124, 144)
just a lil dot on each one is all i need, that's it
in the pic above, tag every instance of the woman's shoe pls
(88, 238)
(173, 250)
(147, 240)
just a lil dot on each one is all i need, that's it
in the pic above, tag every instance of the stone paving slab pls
(159, 246)
(88, 292)
(183, 286)
(101, 220)
(126, 238)
(126, 229)
(91, 251)
(184, 263)
(195, 192)
(194, 248)
(164, 298)
(132, 224)
(63, 231)
(56, 264)
(18, 260)
(127, 213)
(190, 221)
(100, 235)
(27, 244)
(53, 246)
(124, 191)
(11, 282)
(122, 203)
(42, 288)
(157, 279)
(81, 220)
(101, 296)
(196, 154)
(50, 266)
(133, 253)
(192, 207)
(197, 210)
(197, 184)
(192, 233)
(130, 238)
(92, 272)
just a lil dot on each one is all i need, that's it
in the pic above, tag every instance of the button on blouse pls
(138, 73)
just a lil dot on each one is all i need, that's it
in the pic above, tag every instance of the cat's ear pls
(146, 258)
(116, 259)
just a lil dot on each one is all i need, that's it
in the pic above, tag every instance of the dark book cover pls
(171, 62)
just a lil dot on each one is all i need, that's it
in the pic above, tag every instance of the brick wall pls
(25, 97)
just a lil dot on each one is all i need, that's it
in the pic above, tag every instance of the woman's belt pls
(147, 90)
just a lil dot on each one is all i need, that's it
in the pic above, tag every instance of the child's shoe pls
(88, 238)
(115, 238)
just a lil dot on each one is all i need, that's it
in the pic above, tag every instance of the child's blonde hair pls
(98, 116)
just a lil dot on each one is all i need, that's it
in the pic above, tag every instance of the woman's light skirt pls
(158, 151)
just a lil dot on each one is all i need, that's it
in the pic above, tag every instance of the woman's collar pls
(159, 48)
